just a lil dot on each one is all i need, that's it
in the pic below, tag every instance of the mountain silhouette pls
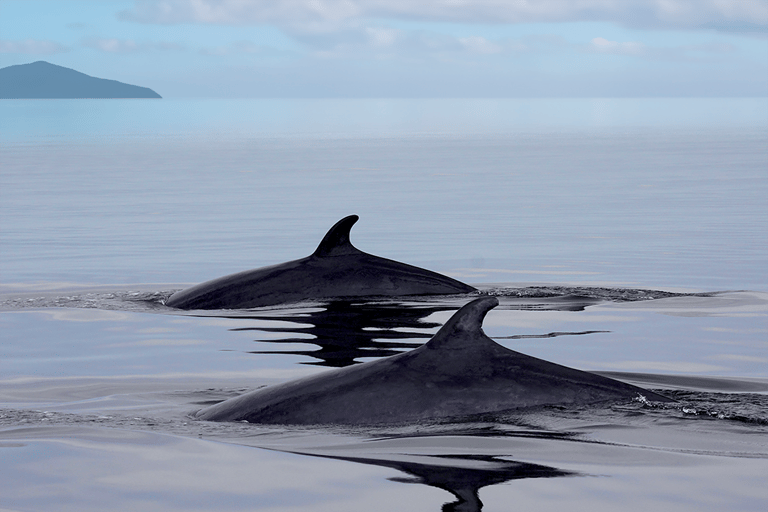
(44, 80)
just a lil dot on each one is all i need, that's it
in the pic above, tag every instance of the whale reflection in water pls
(462, 475)
(343, 331)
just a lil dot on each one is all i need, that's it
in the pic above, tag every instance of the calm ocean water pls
(661, 193)
(107, 205)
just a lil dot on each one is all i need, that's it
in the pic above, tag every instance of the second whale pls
(336, 269)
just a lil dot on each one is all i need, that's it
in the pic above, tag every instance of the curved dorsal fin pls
(465, 326)
(336, 240)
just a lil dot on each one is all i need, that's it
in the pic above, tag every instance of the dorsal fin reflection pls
(345, 331)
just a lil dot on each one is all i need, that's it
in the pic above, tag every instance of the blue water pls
(661, 193)
(107, 206)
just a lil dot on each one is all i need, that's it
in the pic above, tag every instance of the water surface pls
(627, 237)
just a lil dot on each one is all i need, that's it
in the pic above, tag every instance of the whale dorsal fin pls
(465, 327)
(336, 240)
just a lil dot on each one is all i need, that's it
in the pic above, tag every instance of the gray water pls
(627, 237)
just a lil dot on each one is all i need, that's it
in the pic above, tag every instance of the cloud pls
(738, 27)
(479, 44)
(603, 45)
(243, 12)
(688, 52)
(317, 15)
(239, 47)
(112, 45)
(350, 28)
(32, 46)
(411, 45)
(709, 48)
(382, 37)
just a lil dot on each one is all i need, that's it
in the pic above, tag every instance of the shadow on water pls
(461, 475)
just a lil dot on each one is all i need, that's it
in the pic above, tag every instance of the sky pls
(401, 48)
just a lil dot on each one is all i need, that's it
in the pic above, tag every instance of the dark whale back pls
(336, 269)
(460, 371)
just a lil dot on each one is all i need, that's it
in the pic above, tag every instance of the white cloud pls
(347, 28)
(690, 53)
(603, 45)
(709, 48)
(319, 14)
(112, 45)
(411, 45)
(479, 44)
(238, 47)
(32, 46)
(247, 47)
(382, 37)
(242, 12)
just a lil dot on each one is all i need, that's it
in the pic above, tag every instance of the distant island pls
(43, 80)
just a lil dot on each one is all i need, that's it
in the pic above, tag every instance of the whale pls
(459, 372)
(336, 269)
